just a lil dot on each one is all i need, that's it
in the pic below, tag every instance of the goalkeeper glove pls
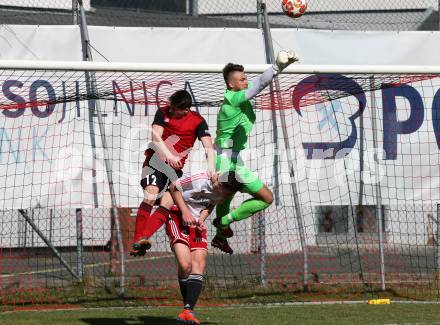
(284, 59)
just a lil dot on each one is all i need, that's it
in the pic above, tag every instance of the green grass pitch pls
(408, 314)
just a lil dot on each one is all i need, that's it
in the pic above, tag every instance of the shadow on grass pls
(143, 320)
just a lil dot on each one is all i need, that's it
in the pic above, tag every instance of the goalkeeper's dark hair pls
(230, 181)
(181, 99)
(231, 67)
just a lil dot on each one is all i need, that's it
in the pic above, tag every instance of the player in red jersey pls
(175, 130)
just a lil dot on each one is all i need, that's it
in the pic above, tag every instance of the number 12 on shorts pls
(151, 179)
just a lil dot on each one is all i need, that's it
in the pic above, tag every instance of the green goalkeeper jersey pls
(234, 121)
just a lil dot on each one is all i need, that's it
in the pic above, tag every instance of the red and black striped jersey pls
(180, 134)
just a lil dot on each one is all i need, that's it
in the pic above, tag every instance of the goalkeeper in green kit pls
(235, 120)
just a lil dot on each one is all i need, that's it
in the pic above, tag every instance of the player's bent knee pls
(185, 268)
(268, 196)
(269, 199)
(265, 195)
(150, 194)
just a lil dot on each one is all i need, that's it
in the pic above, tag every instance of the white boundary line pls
(152, 258)
(212, 68)
(250, 306)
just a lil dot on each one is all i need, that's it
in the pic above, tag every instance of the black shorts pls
(157, 173)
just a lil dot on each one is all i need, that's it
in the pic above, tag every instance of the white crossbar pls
(212, 68)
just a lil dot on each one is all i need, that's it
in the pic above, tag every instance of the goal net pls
(350, 153)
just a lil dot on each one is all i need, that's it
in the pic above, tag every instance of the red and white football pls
(294, 8)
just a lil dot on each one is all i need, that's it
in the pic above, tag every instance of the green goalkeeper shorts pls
(251, 182)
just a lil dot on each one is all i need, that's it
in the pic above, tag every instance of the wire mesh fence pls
(362, 15)
(332, 14)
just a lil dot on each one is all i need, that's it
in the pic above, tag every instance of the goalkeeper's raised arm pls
(236, 79)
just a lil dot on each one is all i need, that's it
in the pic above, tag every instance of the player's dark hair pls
(181, 99)
(231, 182)
(229, 68)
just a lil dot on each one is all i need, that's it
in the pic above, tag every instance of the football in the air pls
(294, 8)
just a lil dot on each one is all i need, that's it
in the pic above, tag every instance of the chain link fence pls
(332, 14)
(362, 15)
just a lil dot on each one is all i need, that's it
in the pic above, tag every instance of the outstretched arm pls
(284, 59)
(259, 83)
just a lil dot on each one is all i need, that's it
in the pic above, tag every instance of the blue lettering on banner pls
(50, 107)
(6, 88)
(63, 114)
(144, 87)
(436, 116)
(163, 82)
(189, 89)
(392, 127)
(327, 82)
(328, 114)
(117, 90)
(6, 140)
(36, 139)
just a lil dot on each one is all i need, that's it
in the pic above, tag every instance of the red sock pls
(142, 216)
(155, 221)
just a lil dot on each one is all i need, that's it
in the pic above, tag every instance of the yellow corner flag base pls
(379, 302)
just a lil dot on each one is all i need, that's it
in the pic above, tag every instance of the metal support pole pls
(260, 16)
(290, 157)
(75, 12)
(271, 59)
(438, 14)
(79, 244)
(87, 56)
(32, 218)
(193, 7)
(48, 243)
(50, 224)
(377, 185)
(438, 242)
(91, 83)
(361, 159)
(262, 247)
(261, 216)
